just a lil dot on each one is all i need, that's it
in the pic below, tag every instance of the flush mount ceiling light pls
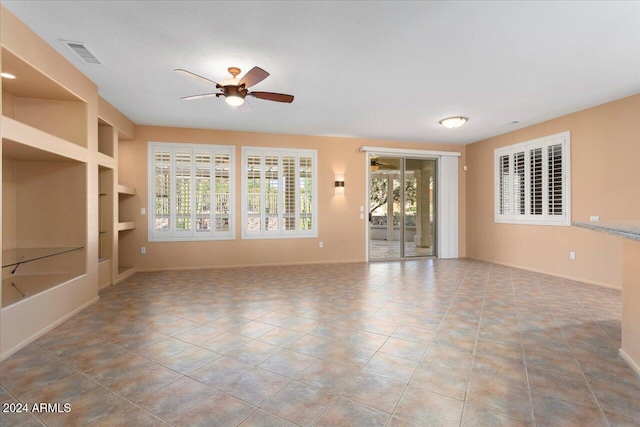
(7, 75)
(453, 122)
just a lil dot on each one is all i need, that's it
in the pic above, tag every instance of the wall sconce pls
(339, 184)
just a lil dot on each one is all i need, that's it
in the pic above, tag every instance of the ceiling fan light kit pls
(235, 90)
(453, 122)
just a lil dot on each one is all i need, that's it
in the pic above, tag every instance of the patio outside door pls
(401, 208)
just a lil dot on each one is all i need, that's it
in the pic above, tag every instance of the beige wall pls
(9, 202)
(631, 304)
(339, 228)
(605, 181)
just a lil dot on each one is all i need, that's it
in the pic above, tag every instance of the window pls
(191, 194)
(532, 181)
(279, 193)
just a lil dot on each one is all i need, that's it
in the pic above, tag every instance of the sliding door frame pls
(446, 233)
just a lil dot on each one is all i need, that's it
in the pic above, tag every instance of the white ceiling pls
(383, 70)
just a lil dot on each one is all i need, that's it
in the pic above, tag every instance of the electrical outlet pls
(572, 255)
(361, 216)
(143, 250)
(143, 211)
(361, 208)
(594, 218)
(321, 244)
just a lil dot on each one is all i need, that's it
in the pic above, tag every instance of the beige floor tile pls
(189, 360)
(402, 348)
(177, 398)
(427, 408)
(344, 412)
(200, 334)
(549, 411)
(261, 418)
(253, 329)
(509, 397)
(254, 352)
(222, 371)
(256, 386)
(561, 387)
(218, 410)
(299, 403)
(375, 391)
(39, 376)
(478, 416)
(356, 329)
(281, 337)
(288, 363)
(391, 367)
(442, 379)
(328, 376)
(495, 367)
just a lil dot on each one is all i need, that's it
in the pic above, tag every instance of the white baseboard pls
(40, 333)
(632, 364)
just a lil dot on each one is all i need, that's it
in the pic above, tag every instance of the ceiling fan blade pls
(254, 76)
(202, 95)
(271, 96)
(244, 107)
(194, 76)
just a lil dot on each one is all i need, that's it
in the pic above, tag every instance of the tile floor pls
(423, 342)
(384, 250)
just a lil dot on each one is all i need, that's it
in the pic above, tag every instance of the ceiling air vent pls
(82, 51)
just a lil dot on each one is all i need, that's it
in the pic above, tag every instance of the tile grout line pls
(475, 346)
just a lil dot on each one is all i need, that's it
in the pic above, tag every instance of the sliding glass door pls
(401, 207)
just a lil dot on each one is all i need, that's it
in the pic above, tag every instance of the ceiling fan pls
(376, 164)
(234, 90)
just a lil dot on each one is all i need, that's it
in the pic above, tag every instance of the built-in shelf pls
(21, 141)
(40, 103)
(15, 257)
(128, 225)
(16, 287)
(126, 190)
(20, 288)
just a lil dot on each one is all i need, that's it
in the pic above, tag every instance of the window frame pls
(174, 235)
(263, 152)
(514, 192)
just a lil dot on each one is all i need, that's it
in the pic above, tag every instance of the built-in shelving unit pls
(44, 183)
(106, 202)
(49, 187)
(125, 198)
(125, 192)
(16, 287)
(59, 188)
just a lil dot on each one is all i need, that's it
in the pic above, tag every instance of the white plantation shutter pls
(182, 191)
(190, 192)
(223, 192)
(160, 208)
(535, 181)
(505, 185)
(532, 181)
(519, 184)
(279, 193)
(554, 170)
(306, 195)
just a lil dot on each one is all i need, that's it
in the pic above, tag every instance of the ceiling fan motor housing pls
(231, 90)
